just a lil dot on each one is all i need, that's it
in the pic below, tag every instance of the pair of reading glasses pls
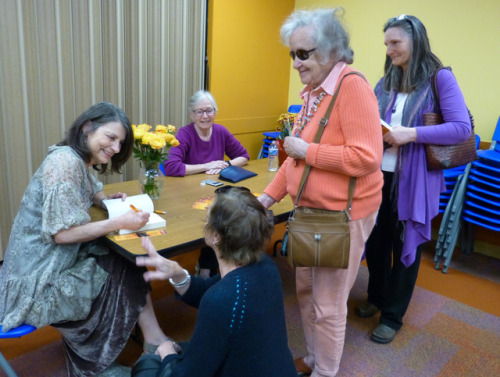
(301, 54)
(200, 112)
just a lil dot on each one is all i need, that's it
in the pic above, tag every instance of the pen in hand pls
(133, 207)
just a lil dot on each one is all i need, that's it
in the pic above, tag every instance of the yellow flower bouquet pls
(151, 149)
(285, 124)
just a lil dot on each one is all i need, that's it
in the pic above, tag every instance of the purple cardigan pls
(192, 150)
(419, 188)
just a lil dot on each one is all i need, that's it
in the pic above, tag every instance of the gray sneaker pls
(383, 334)
(366, 310)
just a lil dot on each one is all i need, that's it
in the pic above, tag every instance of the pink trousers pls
(322, 295)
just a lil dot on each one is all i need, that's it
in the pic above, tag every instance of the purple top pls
(419, 188)
(192, 150)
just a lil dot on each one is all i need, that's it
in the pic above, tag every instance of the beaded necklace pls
(304, 119)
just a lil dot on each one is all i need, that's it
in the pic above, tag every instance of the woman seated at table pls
(202, 146)
(55, 274)
(203, 143)
(240, 328)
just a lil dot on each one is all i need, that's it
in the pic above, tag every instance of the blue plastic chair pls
(13, 333)
(162, 169)
(491, 156)
(294, 109)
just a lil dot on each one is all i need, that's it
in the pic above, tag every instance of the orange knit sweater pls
(351, 145)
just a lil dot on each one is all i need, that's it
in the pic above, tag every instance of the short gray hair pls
(199, 96)
(330, 36)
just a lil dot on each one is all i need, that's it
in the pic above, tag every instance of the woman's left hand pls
(117, 195)
(400, 136)
(295, 147)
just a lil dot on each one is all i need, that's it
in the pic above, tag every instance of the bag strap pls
(322, 124)
(436, 95)
(434, 85)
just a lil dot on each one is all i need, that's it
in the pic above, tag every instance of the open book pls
(385, 127)
(117, 207)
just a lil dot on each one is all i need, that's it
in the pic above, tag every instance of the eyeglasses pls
(200, 112)
(226, 188)
(301, 54)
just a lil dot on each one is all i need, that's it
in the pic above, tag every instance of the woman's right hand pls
(214, 167)
(164, 268)
(134, 220)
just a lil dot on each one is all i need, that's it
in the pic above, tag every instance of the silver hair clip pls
(402, 17)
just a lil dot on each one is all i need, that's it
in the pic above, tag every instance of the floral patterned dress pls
(92, 296)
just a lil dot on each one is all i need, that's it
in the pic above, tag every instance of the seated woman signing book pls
(55, 274)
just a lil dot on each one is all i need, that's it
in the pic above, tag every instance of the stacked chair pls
(451, 203)
(482, 202)
(475, 200)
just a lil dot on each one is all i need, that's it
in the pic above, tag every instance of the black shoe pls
(366, 310)
(383, 334)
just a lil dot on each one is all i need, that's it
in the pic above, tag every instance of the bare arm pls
(212, 167)
(91, 231)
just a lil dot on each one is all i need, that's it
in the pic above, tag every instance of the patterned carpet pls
(441, 337)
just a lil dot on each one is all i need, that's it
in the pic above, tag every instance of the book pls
(117, 207)
(386, 127)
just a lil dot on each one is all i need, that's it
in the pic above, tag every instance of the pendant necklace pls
(304, 119)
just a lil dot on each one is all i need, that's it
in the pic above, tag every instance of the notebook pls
(117, 207)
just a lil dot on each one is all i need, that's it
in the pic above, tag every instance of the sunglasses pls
(226, 188)
(301, 54)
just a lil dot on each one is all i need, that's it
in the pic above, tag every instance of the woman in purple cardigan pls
(202, 146)
(410, 196)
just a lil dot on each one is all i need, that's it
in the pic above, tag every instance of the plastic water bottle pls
(273, 157)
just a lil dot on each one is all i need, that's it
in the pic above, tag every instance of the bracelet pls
(182, 283)
(229, 163)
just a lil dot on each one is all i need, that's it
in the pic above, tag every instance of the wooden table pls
(184, 230)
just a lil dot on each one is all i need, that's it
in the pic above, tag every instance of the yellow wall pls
(249, 67)
(463, 34)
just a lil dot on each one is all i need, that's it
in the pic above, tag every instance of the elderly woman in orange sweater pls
(351, 146)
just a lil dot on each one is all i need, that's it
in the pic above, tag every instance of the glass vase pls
(151, 182)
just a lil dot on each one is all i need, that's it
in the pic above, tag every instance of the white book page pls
(118, 207)
(385, 126)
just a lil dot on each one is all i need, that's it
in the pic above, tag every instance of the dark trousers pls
(391, 284)
(208, 260)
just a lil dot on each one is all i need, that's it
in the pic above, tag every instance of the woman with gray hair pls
(351, 146)
(203, 144)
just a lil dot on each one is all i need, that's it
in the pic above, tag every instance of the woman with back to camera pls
(54, 273)
(240, 328)
(351, 146)
(202, 147)
(411, 192)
